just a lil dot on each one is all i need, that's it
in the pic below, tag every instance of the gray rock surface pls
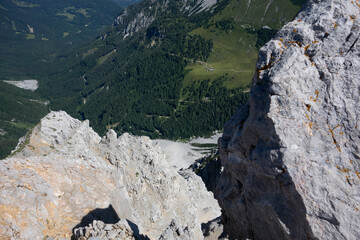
(291, 156)
(209, 169)
(176, 232)
(100, 230)
(65, 174)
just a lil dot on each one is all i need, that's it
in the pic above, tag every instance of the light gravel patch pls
(31, 85)
(182, 155)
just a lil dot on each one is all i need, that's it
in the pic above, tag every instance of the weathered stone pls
(68, 175)
(113, 234)
(176, 232)
(108, 227)
(291, 156)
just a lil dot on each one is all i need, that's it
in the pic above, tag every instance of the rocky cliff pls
(65, 176)
(140, 16)
(291, 156)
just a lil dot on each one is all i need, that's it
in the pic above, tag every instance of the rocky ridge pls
(291, 156)
(140, 16)
(65, 176)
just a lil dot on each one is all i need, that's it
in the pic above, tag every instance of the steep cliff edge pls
(291, 157)
(65, 176)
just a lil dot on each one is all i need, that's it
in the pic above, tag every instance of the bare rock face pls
(291, 156)
(66, 176)
(140, 16)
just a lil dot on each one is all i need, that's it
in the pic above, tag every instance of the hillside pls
(125, 3)
(170, 70)
(20, 110)
(34, 38)
(37, 32)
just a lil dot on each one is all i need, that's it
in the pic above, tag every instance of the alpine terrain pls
(289, 157)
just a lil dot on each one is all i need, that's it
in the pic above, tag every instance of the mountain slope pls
(125, 3)
(139, 75)
(35, 32)
(34, 37)
(20, 110)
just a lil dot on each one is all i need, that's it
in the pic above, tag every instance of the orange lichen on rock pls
(333, 137)
(344, 170)
(317, 96)
(55, 228)
(9, 213)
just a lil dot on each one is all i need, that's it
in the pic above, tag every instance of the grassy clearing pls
(1, 7)
(102, 59)
(13, 26)
(234, 54)
(70, 17)
(90, 52)
(65, 34)
(24, 4)
(84, 12)
(29, 36)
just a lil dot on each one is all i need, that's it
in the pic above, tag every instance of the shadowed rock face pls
(291, 156)
(66, 177)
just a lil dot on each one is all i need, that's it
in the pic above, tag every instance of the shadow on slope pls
(108, 216)
(257, 195)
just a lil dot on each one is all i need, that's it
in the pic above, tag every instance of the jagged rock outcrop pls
(209, 169)
(176, 232)
(98, 229)
(66, 176)
(291, 157)
(140, 16)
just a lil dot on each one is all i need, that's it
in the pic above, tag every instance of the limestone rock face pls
(66, 176)
(291, 156)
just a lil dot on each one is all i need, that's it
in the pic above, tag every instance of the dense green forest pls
(20, 110)
(125, 3)
(36, 33)
(179, 77)
(182, 75)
